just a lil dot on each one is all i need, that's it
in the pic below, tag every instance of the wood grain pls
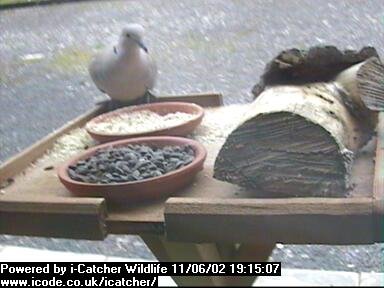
(202, 99)
(297, 141)
(378, 185)
(326, 91)
(293, 221)
(53, 217)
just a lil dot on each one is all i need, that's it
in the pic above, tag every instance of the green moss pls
(99, 46)
(71, 59)
(5, 2)
(245, 32)
(2, 78)
(197, 42)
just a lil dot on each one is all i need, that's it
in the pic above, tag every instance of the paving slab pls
(18, 254)
(302, 277)
(372, 279)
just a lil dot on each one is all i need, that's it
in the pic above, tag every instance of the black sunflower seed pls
(130, 163)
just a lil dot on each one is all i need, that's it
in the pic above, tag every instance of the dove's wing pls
(152, 72)
(102, 66)
(123, 75)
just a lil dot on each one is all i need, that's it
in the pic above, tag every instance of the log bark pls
(360, 75)
(317, 64)
(299, 138)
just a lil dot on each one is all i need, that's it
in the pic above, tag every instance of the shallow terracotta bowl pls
(163, 108)
(142, 190)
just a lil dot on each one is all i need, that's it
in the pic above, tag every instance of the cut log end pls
(370, 83)
(314, 108)
(284, 154)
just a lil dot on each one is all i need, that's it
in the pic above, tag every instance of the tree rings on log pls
(313, 110)
(295, 139)
(364, 83)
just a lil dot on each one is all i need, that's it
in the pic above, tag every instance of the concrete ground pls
(199, 46)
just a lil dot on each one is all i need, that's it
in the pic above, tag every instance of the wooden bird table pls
(208, 221)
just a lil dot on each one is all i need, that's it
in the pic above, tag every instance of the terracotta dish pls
(159, 108)
(149, 189)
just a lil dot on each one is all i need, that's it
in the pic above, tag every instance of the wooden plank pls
(203, 99)
(36, 204)
(149, 217)
(288, 206)
(294, 221)
(22, 160)
(254, 252)
(378, 184)
(76, 218)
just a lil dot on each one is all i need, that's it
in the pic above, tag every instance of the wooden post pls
(188, 252)
(166, 250)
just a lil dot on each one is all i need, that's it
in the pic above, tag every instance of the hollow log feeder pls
(313, 111)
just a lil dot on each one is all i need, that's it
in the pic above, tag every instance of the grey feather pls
(125, 71)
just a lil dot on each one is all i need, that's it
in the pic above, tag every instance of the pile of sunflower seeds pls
(130, 163)
(139, 122)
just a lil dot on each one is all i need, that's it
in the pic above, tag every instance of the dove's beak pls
(141, 44)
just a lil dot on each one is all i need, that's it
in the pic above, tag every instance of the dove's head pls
(132, 36)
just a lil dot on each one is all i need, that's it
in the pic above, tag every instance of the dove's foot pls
(149, 97)
(112, 104)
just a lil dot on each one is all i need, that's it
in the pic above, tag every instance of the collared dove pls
(126, 71)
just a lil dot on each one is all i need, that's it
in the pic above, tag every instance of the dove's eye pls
(128, 35)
